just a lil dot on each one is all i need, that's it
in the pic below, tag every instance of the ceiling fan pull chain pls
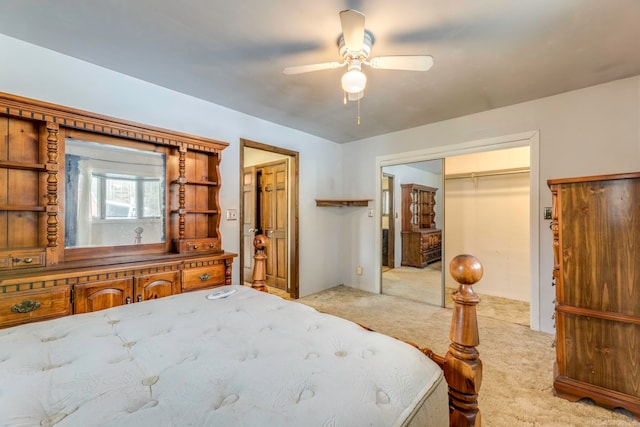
(358, 111)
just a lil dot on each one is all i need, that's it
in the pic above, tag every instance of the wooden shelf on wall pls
(340, 203)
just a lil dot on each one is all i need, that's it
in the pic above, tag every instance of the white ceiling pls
(488, 53)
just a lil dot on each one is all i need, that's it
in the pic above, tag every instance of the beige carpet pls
(518, 362)
(425, 284)
(420, 284)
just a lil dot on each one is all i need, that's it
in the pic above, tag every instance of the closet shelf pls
(339, 203)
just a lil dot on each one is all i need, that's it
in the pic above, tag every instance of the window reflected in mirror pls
(114, 195)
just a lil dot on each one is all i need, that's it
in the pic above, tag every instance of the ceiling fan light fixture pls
(354, 81)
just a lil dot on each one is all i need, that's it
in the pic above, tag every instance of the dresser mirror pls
(114, 194)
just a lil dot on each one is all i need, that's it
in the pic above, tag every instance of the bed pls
(249, 359)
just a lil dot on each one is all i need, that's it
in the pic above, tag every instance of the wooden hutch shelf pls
(22, 208)
(22, 166)
(339, 203)
(203, 183)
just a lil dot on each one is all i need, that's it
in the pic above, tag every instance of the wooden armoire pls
(97, 212)
(421, 241)
(596, 248)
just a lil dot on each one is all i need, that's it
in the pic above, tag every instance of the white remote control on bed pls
(221, 294)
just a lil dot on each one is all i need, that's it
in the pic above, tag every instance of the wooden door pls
(96, 296)
(249, 225)
(273, 221)
(157, 285)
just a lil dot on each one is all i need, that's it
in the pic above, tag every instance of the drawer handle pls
(26, 260)
(204, 277)
(195, 246)
(25, 306)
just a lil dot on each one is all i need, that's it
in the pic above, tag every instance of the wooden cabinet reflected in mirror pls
(421, 240)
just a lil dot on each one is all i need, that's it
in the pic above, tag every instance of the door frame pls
(531, 139)
(294, 206)
(391, 244)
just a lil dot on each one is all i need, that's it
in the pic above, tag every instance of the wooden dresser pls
(421, 241)
(97, 212)
(596, 246)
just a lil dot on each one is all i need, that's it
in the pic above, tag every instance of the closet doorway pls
(269, 206)
(528, 210)
(415, 270)
(485, 201)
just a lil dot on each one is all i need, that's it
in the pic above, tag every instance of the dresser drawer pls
(203, 277)
(30, 306)
(203, 245)
(195, 246)
(430, 240)
(22, 259)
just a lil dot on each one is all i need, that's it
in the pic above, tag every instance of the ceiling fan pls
(354, 45)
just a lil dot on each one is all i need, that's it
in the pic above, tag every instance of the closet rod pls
(487, 173)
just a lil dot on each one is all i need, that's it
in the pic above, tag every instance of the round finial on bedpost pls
(260, 242)
(466, 269)
(463, 367)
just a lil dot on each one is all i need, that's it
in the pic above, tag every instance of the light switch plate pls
(232, 214)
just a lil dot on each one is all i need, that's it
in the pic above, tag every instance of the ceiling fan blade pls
(408, 63)
(352, 29)
(312, 67)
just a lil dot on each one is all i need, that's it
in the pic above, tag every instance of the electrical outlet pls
(547, 213)
(232, 214)
(370, 213)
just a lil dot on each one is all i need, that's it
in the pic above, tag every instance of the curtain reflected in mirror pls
(114, 195)
(411, 255)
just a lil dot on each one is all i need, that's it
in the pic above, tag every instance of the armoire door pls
(273, 217)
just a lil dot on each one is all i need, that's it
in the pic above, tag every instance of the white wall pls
(38, 73)
(488, 216)
(253, 156)
(585, 132)
(488, 161)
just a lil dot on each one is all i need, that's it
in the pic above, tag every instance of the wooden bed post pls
(259, 268)
(462, 365)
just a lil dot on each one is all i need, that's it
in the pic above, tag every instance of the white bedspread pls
(252, 359)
